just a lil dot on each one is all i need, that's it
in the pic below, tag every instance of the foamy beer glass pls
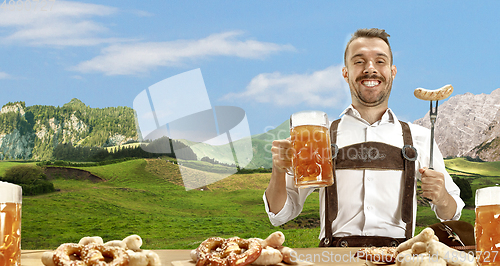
(10, 224)
(487, 227)
(312, 159)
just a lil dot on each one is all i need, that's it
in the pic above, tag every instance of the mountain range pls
(467, 125)
(33, 132)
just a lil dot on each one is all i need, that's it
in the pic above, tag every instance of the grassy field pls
(5, 165)
(146, 197)
(141, 198)
(479, 174)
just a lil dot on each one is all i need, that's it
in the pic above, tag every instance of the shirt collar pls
(387, 117)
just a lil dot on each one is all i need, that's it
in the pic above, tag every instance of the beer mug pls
(487, 228)
(312, 157)
(10, 224)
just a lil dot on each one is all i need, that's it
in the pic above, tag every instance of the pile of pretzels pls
(235, 251)
(92, 251)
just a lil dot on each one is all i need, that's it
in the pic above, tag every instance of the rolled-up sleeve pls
(293, 204)
(422, 140)
(450, 186)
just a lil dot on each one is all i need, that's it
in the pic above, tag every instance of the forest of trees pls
(78, 133)
(74, 123)
(68, 152)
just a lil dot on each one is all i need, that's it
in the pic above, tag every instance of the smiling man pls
(372, 202)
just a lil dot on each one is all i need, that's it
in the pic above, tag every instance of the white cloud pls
(141, 57)
(4, 75)
(77, 24)
(322, 88)
(66, 24)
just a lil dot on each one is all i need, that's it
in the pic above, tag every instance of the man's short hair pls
(369, 33)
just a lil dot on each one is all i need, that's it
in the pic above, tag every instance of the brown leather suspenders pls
(371, 155)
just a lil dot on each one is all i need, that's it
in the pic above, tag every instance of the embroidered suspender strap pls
(410, 155)
(331, 200)
(372, 155)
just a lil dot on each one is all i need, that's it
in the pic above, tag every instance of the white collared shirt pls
(369, 200)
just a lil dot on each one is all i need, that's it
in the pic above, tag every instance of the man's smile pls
(370, 83)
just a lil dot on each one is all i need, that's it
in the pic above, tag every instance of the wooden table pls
(180, 257)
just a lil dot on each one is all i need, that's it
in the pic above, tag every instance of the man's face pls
(369, 72)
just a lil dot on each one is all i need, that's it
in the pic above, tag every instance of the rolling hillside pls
(261, 147)
(143, 197)
(146, 197)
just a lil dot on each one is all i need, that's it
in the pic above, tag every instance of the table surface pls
(178, 257)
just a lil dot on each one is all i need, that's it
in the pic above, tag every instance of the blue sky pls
(255, 55)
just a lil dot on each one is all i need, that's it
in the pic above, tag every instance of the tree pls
(30, 178)
(465, 188)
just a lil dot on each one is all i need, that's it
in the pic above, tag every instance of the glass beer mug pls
(487, 226)
(312, 159)
(10, 224)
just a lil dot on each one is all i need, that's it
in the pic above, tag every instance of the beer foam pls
(488, 196)
(10, 193)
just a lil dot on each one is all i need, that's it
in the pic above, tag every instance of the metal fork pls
(433, 115)
(451, 234)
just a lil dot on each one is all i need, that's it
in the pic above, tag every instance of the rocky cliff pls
(489, 150)
(33, 132)
(467, 125)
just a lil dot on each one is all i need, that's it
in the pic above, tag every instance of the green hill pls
(261, 147)
(143, 197)
(478, 174)
(146, 197)
(461, 165)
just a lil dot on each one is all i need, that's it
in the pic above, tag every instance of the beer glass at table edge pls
(312, 157)
(487, 226)
(10, 224)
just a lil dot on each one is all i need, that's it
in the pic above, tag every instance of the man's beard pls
(381, 97)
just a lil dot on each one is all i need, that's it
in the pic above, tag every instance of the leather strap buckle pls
(403, 151)
(335, 150)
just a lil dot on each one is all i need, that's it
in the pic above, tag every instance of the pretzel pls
(433, 95)
(214, 250)
(235, 251)
(82, 254)
(377, 254)
(93, 254)
(62, 255)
